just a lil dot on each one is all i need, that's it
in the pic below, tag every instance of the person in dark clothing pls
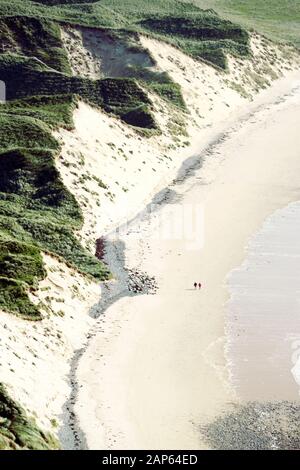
(195, 285)
(199, 285)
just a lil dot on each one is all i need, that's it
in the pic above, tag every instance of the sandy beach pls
(155, 368)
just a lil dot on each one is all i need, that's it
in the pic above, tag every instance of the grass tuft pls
(18, 431)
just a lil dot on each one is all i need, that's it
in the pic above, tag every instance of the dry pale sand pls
(156, 368)
(35, 355)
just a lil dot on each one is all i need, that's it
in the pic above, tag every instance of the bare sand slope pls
(156, 368)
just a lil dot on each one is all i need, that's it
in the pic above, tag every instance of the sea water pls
(263, 313)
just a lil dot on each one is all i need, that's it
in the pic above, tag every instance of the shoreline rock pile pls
(141, 283)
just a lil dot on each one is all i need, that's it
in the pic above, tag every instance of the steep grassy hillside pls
(278, 19)
(34, 37)
(36, 211)
(205, 35)
(35, 208)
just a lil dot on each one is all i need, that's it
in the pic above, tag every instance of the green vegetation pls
(27, 77)
(34, 37)
(24, 131)
(159, 18)
(200, 33)
(140, 117)
(22, 261)
(57, 2)
(54, 110)
(14, 298)
(18, 431)
(21, 266)
(36, 210)
(205, 36)
(37, 213)
(159, 83)
(277, 19)
(124, 98)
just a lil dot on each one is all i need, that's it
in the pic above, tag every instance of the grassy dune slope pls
(278, 19)
(206, 34)
(36, 211)
(18, 431)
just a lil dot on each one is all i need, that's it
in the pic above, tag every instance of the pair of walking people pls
(197, 284)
